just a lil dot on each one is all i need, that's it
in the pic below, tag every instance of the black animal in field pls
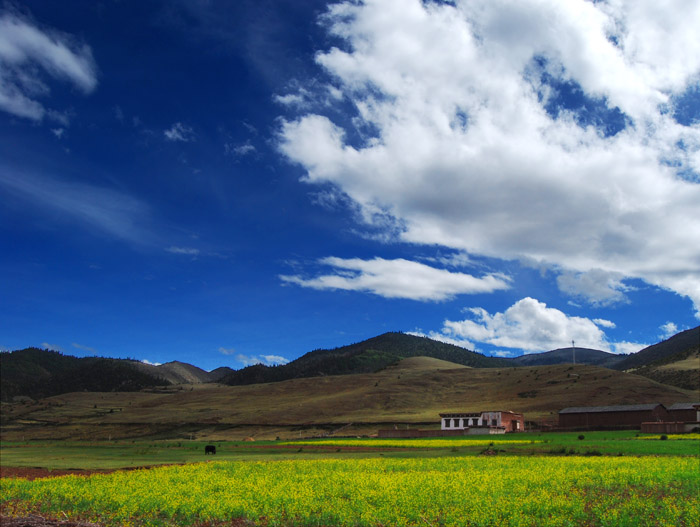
(209, 449)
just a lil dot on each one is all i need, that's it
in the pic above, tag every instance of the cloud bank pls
(533, 327)
(543, 130)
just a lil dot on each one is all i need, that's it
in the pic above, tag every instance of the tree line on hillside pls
(367, 356)
(38, 373)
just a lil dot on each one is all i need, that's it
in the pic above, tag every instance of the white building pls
(493, 422)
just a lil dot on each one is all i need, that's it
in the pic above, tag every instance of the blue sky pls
(225, 183)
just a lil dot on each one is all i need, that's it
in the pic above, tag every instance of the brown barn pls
(684, 412)
(611, 417)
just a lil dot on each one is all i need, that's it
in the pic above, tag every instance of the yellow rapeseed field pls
(448, 491)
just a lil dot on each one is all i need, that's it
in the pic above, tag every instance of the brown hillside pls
(176, 372)
(411, 393)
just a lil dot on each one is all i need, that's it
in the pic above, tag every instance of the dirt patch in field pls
(40, 521)
(35, 472)
(330, 448)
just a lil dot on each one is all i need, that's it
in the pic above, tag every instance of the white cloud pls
(604, 323)
(179, 132)
(668, 330)
(598, 287)
(28, 55)
(146, 361)
(453, 138)
(531, 326)
(444, 338)
(268, 360)
(227, 351)
(239, 150)
(398, 279)
(183, 250)
(84, 348)
(54, 347)
(627, 347)
(108, 210)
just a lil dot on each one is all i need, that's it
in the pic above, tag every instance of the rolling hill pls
(676, 344)
(176, 372)
(38, 373)
(367, 356)
(566, 355)
(411, 392)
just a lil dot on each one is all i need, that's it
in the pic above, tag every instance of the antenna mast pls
(573, 351)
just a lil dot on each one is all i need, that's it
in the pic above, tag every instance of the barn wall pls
(513, 422)
(663, 428)
(624, 419)
(684, 415)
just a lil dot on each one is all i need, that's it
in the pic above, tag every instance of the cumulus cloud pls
(146, 361)
(626, 348)
(179, 132)
(468, 134)
(29, 56)
(267, 360)
(598, 287)
(531, 326)
(398, 279)
(668, 330)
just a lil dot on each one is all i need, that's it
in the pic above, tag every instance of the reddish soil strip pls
(35, 472)
(323, 448)
(40, 521)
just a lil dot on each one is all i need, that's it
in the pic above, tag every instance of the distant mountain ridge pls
(589, 356)
(177, 372)
(368, 356)
(40, 373)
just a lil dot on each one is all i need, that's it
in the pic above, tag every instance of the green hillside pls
(368, 356)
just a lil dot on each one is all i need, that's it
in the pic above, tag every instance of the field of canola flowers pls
(449, 491)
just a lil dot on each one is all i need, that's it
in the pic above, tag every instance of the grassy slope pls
(681, 370)
(368, 356)
(411, 392)
(681, 342)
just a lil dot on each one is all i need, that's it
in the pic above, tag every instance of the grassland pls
(99, 455)
(411, 393)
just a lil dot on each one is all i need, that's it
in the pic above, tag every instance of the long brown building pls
(611, 417)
